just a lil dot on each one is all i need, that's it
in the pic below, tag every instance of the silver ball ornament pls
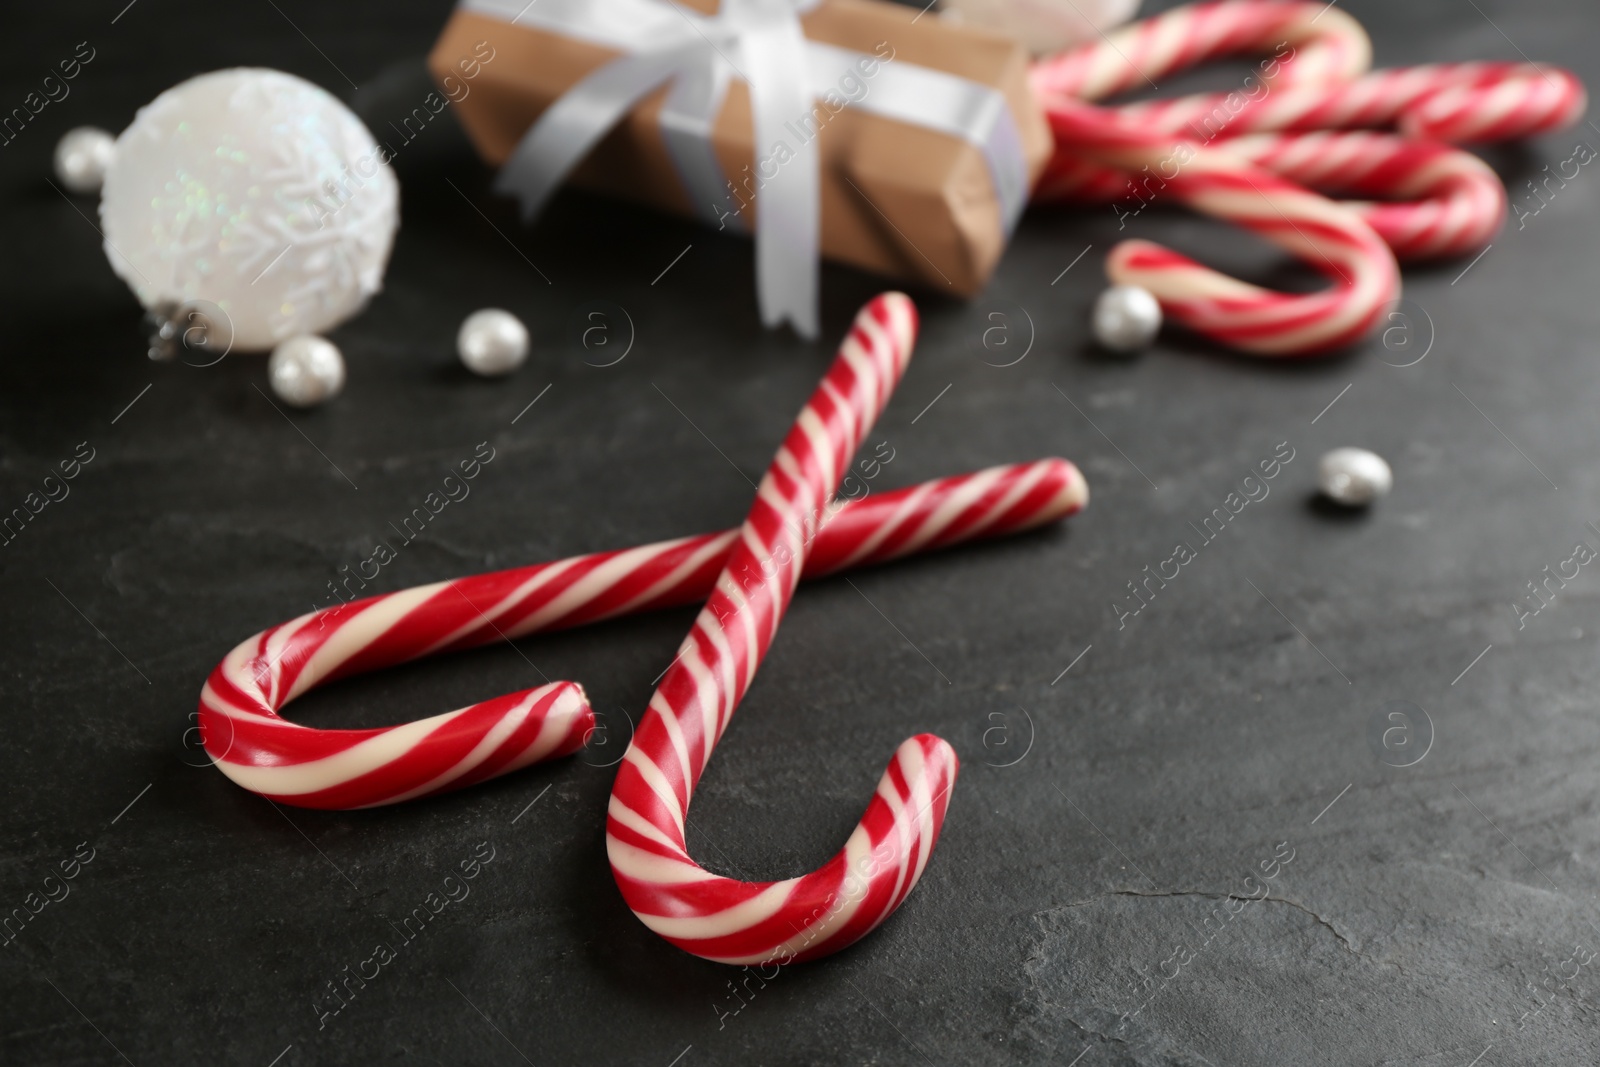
(306, 371)
(83, 155)
(1126, 318)
(1354, 477)
(492, 342)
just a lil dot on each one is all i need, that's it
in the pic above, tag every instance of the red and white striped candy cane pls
(1328, 237)
(1471, 103)
(1311, 47)
(1329, 47)
(307, 767)
(725, 919)
(1428, 200)
(1457, 103)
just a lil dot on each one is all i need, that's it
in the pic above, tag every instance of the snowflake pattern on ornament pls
(256, 191)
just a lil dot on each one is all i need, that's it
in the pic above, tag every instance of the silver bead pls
(1126, 318)
(306, 371)
(83, 156)
(194, 328)
(492, 342)
(1354, 477)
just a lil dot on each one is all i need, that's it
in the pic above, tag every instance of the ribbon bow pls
(762, 43)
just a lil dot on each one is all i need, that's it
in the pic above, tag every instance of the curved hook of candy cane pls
(1331, 239)
(1327, 47)
(1429, 199)
(1478, 102)
(725, 919)
(1456, 202)
(341, 769)
(1458, 103)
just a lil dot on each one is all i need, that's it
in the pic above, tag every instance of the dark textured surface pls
(1413, 926)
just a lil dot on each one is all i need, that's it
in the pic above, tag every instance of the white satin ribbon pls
(760, 42)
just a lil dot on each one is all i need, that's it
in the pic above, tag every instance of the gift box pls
(911, 141)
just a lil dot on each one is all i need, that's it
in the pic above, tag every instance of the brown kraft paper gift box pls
(923, 205)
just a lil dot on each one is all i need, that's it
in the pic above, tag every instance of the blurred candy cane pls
(1331, 239)
(725, 919)
(307, 767)
(1324, 47)
(1426, 199)
(1457, 103)
(1328, 237)
(1312, 46)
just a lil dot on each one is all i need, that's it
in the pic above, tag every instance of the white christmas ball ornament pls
(306, 371)
(1043, 26)
(492, 342)
(1354, 477)
(1126, 318)
(83, 155)
(258, 192)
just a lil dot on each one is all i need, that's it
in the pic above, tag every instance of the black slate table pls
(1125, 787)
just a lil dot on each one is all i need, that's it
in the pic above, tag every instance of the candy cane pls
(1329, 47)
(1459, 103)
(1430, 199)
(725, 919)
(1450, 203)
(1328, 237)
(299, 765)
(1325, 49)
(1331, 239)
(1434, 201)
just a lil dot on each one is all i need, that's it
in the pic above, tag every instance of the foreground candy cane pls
(724, 919)
(299, 765)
